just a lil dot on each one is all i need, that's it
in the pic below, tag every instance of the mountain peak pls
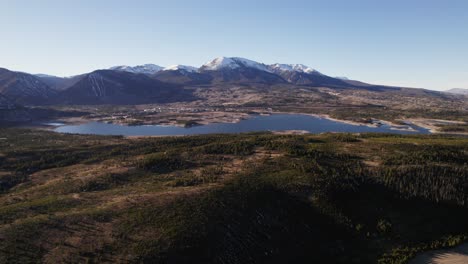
(220, 63)
(181, 67)
(233, 63)
(144, 69)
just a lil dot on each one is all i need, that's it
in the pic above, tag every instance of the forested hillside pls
(250, 198)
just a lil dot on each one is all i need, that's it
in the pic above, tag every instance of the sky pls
(412, 43)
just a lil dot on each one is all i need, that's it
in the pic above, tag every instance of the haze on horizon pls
(405, 43)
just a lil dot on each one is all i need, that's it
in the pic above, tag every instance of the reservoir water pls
(278, 122)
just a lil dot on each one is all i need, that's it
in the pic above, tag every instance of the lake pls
(279, 122)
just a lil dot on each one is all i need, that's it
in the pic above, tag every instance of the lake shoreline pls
(236, 119)
(286, 123)
(454, 255)
(226, 118)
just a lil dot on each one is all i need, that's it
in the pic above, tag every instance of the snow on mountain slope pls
(458, 91)
(233, 63)
(143, 69)
(343, 78)
(181, 67)
(292, 68)
(41, 75)
(303, 75)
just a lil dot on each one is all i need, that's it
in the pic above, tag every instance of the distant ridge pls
(24, 88)
(458, 91)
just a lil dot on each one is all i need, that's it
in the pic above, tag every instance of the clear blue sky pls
(417, 43)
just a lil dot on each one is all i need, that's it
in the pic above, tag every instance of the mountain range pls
(115, 87)
(151, 83)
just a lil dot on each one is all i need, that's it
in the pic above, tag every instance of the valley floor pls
(247, 198)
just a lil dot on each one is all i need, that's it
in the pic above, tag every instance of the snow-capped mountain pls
(222, 63)
(239, 70)
(143, 69)
(181, 68)
(224, 69)
(304, 75)
(183, 75)
(277, 67)
(236, 62)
